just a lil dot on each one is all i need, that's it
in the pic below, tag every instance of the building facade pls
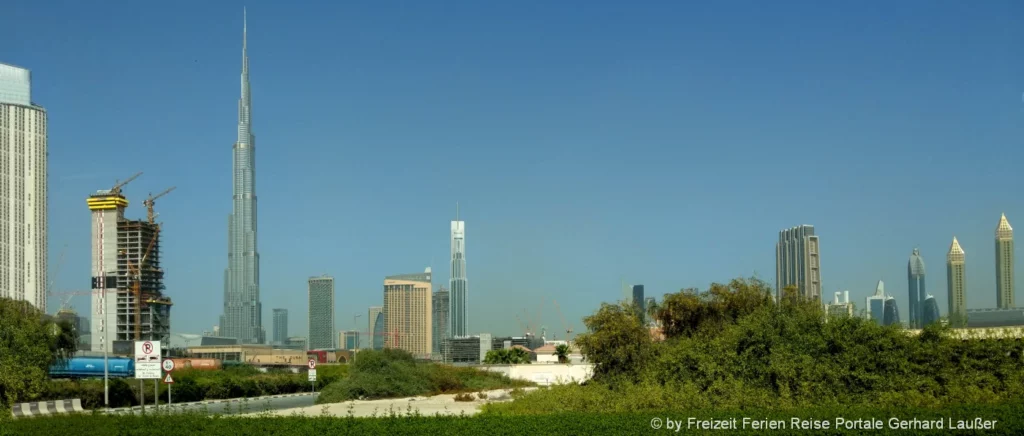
(1004, 265)
(243, 312)
(439, 319)
(23, 190)
(916, 289)
(840, 306)
(349, 339)
(956, 284)
(458, 312)
(892, 312)
(407, 310)
(798, 262)
(321, 313)
(280, 335)
(376, 327)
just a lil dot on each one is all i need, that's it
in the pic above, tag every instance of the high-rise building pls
(280, 335)
(1004, 264)
(321, 313)
(376, 327)
(125, 254)
(458, 312)
(638, 302)
(349, 340)
(23, 190)
(243, 313)
(407, 310)
(916, 288)
(892, 312)
(439, 318)
(929, 311)
(798, 262)
(956, 284)
(875, 304)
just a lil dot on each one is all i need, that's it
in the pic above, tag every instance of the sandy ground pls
(428, 406)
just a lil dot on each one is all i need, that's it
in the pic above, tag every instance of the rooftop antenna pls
(456, 211)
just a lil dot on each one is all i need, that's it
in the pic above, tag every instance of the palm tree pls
(562, 351)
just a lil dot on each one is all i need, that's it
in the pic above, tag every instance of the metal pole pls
(142, 395)
(156, 393)
(168, 395)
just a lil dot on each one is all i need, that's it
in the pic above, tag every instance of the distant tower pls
(280, 327)
(376, 327)
(915, 288)
(407, 312)
(875, 304)
(892, 312)
(1004, 264)
(797, 262)
(930, 311)
(458, 286)
(956, 284)
(321, 313)
(638, 302)
(439, 317)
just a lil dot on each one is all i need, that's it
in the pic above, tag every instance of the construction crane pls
(149, 203)
(67, 296)
(136, 286)
(116, 190)
(53, 272)
(568, 328)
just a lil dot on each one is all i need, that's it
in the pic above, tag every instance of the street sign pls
(168, 379)
(312, 375)
(168, 365)
(312, 364)
(147, 360)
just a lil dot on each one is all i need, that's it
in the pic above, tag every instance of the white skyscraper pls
(23, 189)
(457, 313)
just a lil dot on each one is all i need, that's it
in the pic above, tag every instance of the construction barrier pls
(44, 408)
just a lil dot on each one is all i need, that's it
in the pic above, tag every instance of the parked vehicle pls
(88, 367)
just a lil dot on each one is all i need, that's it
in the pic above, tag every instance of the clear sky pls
(589, 143)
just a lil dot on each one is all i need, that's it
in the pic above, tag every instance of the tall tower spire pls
(1004, 265)
(242, 318)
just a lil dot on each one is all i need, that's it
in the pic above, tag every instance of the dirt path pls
(427, 406)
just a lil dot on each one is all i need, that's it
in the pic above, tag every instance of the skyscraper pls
(407, 310)
(797, 262)
(23, 190)
(956, 284)
(892, 312)
(321, 312)
(376, 327)
(1004, 264)
(280, 335)
(929, 311)
(638, 302)
(875, 304)
(439, 319)
(243, 313)
(915, 288)
(458, 284)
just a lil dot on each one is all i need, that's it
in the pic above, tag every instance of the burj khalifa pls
(242, 318)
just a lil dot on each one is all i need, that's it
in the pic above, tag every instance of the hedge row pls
(1009, 417)
(191, 385)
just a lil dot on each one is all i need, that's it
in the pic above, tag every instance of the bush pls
(463, 397)
(393, 373)
(733, 347)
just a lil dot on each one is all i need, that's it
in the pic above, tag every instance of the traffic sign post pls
(168, 367)
(312, 374)
(147, 360)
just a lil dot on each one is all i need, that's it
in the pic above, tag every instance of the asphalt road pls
(234, 406)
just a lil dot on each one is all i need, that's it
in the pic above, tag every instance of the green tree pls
(507, 356)
(29, 344)
(562, 351)
(615, 342)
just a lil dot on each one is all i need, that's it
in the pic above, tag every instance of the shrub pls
(463, 397)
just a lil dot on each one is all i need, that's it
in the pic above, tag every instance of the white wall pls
(545, 374)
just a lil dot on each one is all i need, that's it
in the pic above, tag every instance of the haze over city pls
(658, 144)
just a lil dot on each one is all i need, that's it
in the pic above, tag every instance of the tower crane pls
(149, 203)
(53, 273)
(116, 190)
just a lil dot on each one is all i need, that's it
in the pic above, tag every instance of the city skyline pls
(546, 219)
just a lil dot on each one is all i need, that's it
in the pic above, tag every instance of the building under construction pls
(127, 282)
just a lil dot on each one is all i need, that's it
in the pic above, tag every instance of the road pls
(233, 406)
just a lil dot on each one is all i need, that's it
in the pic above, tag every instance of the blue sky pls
(589, 143)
